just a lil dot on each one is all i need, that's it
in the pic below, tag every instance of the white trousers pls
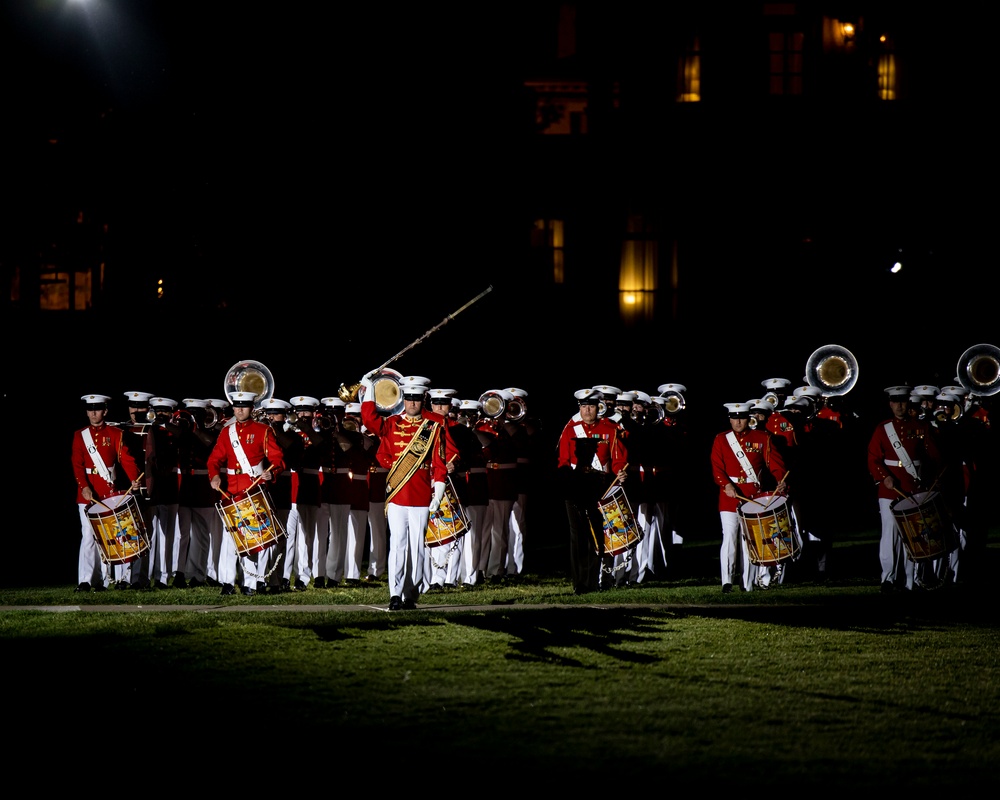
(499, 536)
(379, 531)
(197, 524)
(90, 566)
(336, 556)
(407, 529)
(357, 532)
(476, 547)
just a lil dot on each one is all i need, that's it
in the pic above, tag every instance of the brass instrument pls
(250, 376)
(948, 410)
(494, 403)
(979, 370)
(516, 409)
(655, 413)
(673, 396)
(211, 418)
(832, 369)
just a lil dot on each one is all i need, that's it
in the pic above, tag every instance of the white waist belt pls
(741, 479)
(494, 465)
(256, 472)
(888, 463)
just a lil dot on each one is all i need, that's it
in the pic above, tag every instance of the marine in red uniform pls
(743, 461)
(592, 454)
(902, 453)
(413, 447)
(248, 452)
(96, 453)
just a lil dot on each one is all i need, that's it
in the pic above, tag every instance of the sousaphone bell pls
(249, 376)
(979, 370)
(832, 369)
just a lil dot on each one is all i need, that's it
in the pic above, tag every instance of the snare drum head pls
(763, 504)
(106, 506)
(912, 503)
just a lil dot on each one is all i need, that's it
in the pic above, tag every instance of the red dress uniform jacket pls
(611, 450)
(918, 439)
(108, 442)
(726, 468)
(259, 444)
(779, 425)
(395, 433)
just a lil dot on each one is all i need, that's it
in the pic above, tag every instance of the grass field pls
(664, 685)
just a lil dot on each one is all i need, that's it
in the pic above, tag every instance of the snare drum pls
(621, 532)
(119, 529)
(249, 521)
(449, 522)
(925, 525)
(768, 530)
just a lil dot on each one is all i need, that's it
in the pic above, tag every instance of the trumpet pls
(321, 422)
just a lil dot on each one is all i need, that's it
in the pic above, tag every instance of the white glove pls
(366, 386)
(438, 494)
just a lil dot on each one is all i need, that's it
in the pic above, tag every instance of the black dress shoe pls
(194, 583)
(319, 583)
(299, 585)
(227, 589)
(122, 585)
(285, 586)
(395, 603)
(212, 582)
(179, 581)
(727, 588)
(83, 587)
(247, 591)
(331, 583)
(409, 605)
(261, 587)
(100, 587)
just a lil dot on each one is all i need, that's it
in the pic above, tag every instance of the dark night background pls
(319, 190)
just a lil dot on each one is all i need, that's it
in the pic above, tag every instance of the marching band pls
(242, 492)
